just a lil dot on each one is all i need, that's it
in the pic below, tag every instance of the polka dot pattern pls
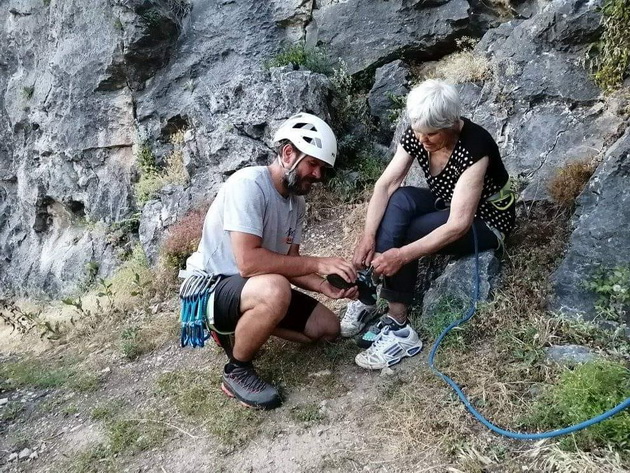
(443, 184)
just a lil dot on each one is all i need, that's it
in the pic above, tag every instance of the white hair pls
(433, 105)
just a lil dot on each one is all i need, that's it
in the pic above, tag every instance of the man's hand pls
(331, 291)
(363, 252)
(328, 265)
(388, 263)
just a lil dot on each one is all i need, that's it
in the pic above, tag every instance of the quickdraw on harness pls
(196, 295)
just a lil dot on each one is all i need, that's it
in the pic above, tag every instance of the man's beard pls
(296, 184)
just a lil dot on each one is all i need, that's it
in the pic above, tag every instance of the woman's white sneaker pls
(356, 317)
(389, 348)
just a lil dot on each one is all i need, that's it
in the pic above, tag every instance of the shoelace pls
(379, 340)
(249, 379)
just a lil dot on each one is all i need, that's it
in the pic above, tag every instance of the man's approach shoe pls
(243, 383)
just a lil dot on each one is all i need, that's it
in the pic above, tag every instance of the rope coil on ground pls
(507, 433)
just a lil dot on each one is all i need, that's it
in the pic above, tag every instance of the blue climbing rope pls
(507, 433)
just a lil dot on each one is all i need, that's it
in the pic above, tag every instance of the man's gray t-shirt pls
(248, 203)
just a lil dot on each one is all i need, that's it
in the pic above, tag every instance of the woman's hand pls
(364, 252)
(331, 291)
(389, 262)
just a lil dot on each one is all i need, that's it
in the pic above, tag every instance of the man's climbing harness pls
(196, 294)
(507, 433)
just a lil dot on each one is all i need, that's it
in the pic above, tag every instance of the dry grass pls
(569, 181)
(502, 367)
(459, 67)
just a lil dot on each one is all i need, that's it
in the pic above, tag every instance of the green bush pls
(613, 288)
(583, 393)
(610, 57)
(299, 56)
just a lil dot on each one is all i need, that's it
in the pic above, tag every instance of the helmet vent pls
(317, 142)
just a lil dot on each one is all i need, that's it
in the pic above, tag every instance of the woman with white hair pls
(467, 186)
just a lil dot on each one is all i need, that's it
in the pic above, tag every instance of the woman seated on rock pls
(468, 185)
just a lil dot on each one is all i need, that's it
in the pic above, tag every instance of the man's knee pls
(269, 290)
(323, 324)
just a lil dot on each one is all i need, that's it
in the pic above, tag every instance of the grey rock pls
(24, 454)
(13, 457)
(4, 401)
(369, 34)
(569, 354)
(457, 282)
(600, 235)
(391, 80)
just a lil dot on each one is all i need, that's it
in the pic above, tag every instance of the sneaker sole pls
(413, 351)
(269, 405)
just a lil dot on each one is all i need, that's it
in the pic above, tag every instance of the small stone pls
(106, 370)
(33, 456)
(13, 457)
(3, 401)
(387, 371)
(569, 354)
(24, 454)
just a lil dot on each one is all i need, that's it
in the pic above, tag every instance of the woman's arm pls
(466, 198)
(385, 186)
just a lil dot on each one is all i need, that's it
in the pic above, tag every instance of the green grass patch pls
(583, 393)
(307, 413)
(124, 437)
(290, 366)
(97, 459)
(11, 411)
(197, 396)
(446, 311)
(135, 342)
(38, 374)
(107, 411)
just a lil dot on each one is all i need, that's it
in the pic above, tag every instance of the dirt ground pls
(336, 416)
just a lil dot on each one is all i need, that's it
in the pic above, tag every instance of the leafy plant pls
(581, 394)
(610, 56)
(397, 108)
(24, 321)
(613, 289)
(154, 177)
(27, 92)
(300, 56)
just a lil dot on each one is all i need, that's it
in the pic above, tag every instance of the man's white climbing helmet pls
(311, 135)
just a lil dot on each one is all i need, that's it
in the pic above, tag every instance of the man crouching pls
(251, 237)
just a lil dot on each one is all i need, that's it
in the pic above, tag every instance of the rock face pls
(457, 282)
(84, 90)
(369, 34)
(600, 236)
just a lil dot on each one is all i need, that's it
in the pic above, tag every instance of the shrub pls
(152, 177)
(610, 56)
(183, 238)
(463, 66)
(299, 56)
(613, 288)
(27, 92)
(569, 182)
(583, 393)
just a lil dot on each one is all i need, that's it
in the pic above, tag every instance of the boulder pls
(457, 282)
(390, 81)
(600, 233)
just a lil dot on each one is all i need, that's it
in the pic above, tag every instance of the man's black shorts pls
(227, 304)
